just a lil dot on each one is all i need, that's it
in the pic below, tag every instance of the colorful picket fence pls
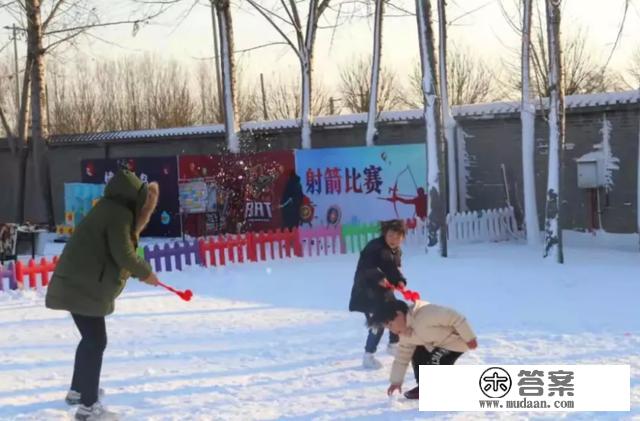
(321, 241)
(478, 226)
(8, 277)
(31, 271)
(491, 225)
(356, 237)
(169, 255)
(280, 244)
(217, 251)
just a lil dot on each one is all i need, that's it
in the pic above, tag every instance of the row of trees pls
(141, 92)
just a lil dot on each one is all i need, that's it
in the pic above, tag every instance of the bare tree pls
(528, 117)
(553, 230)
(302, 44)
(633, 80)
(60, 23)
(584, 71)
(75, 102)
(436, 213)
(355, 84)
(470, 78)
(285, 102)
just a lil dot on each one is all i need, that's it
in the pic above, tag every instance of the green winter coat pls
(101, 254)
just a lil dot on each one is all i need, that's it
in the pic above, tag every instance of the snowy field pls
(274, 340)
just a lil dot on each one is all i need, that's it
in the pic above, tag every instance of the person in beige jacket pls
(429, 335)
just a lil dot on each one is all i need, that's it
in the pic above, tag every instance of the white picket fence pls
(473, 227)
(479, 226)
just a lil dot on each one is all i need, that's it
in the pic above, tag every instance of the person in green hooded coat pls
(92, 272)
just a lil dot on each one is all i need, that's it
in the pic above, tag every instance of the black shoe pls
(413, 393)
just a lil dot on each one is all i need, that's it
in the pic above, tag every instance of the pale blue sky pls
(485, 31)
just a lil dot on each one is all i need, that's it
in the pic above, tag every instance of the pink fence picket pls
(321, 241)
(8, 273)
(281, 244)
(171, 254)
(33, 269)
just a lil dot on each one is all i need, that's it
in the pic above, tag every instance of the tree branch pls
(470, 12)
(408, 12)
(323, 6)
(615, 45)
(292, 19)
(102, 25)
(275, 15)
(49, 18)
(296, 16)
(246, 50)
(54, 44)
(275, 26)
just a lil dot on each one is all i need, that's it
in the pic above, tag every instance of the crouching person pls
(429, 335)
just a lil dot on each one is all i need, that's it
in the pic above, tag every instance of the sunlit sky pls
(484, 30)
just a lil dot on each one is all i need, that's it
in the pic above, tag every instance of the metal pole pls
(15, 58)
(216, 56)
(264, 98)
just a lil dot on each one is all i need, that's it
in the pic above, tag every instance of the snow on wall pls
(464, 170)
(608, 163)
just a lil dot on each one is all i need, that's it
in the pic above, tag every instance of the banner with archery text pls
(362, 184)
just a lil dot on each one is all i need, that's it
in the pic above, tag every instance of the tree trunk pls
(436, 224)
(449, 122)
(528, 118)
(228, 76)
(638, 183)
(23, 148)
(216, 60)
(306, 45)
(553, 230)
(305, 110)
(39, 132)
(372, 130)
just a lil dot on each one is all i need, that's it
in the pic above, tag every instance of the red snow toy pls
(406, 293)
(185, 295)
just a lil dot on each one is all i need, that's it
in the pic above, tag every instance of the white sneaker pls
(75, 398)
(369, 362)
(392, 349)
(95, 412)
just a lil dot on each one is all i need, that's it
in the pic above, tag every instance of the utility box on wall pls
(590, 175)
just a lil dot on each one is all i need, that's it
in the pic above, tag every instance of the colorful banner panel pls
(234, 193)
(165, 222)
(79, 198)
(363, 184)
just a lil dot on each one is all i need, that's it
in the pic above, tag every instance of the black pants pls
(88, 364)
(439, 356)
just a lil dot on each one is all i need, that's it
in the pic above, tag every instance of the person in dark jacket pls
(92, 272)
(379, 262)
(292, 202)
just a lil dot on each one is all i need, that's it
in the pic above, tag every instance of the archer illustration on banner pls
(419, 201)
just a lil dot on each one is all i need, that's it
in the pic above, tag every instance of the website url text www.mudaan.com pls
(526, 404)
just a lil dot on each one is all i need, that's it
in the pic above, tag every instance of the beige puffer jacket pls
(431, 326)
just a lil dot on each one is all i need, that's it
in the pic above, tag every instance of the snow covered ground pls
(274, 340)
